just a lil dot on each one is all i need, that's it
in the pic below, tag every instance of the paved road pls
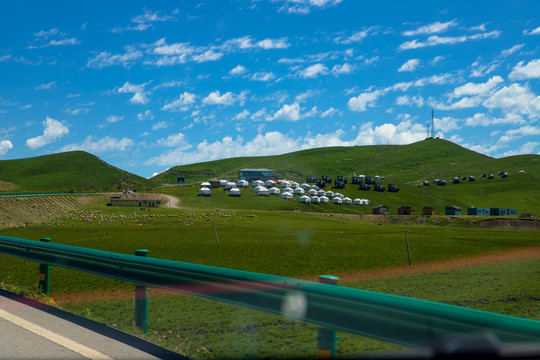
(31, 330)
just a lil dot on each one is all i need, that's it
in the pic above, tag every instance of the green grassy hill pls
(404, 165)
(70, 171)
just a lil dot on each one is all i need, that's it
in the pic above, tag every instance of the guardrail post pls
(326, 339)
(141, 301)
(44, 274)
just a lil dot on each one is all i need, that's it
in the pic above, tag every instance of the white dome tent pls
(257, 183)
(294, 185)
(357, 201)
(305, 199)
(286, 195)
(339, 195)
(230, 185)
(298, 191)
(223, 183)
(205, 192)
(314, 187)
(330, 194)
(323, 199)
(337, 201)
(263, 192)
(315, 199)
(285, 184)
(235, 192)
(304, 186)
(274, 191)
(288, 190)
(258, 188)
(242, 183)
(312, 192)
(321, 193)
(270, 183)
(347, 201)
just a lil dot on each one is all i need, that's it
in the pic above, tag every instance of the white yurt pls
(223, 183)
(258, 188)
(285, 184)
(305, 198)
(263, 192)
(205, 192)
(321, 193)
(298, 191)
(274, 191)
(330, 194)
(337, 200)
(286, 195)
(315, 199)
(304, 186)
(235, 192)
(339, 195)
(357, 201)
(230, 185)
(366, 202)
(270, 183)
(206, 185)
(242, 183)
(347, 201)
(294, 185)
(323, 199)
(314, 187)
(256, 183)
(312, 192)
(288, 190)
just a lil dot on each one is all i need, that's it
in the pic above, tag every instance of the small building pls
(206, 185)
(347, 201)
(274, 191)
(215, 183)
(453, 210)
(357, 201)
(428, 210)
(337, 200)
(298, 191)
(242, 183)
(512, 212)
(477, 211)
(498, 211)
(380, 210)
(315, 199)
(135, 202)
(323, 199)
(235, 192)
(404, 210)
(286, 195)
(205, 192)
(256, 174)
(305, 199)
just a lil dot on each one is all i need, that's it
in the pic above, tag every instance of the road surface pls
(31, 330)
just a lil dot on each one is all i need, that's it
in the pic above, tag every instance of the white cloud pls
(46, 86)
(175, 140)
(144, 22)
(273, 43)
(54, 130)
(263, 76)
(139, 98)
(215, 98)
(147, 115)
(5, 146)
(529, 71)
(364, 100)
(139, 94)
(303, 7)
(516, 98)
(208, 55)
(437, 59)
(513, 49)
(478, 89)
(532, 32)
(481, 119)
(435, 40)
(329, 113)
(409, 65)
(100, 146)
(434, 28)
(480, 70)
(52, 37)
(355, 37)
(342, 69)
(242, 116)
(410, 100)
(306, 95)
(237, 70)
(113, 119)
(527, 148)
(314, 71)
(105, 59)
(182, 103)
(160, 125)
(288, 112)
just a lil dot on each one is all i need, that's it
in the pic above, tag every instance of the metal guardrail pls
(28, 194)
(390, 318)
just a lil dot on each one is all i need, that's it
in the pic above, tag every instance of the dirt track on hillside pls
(514, 255)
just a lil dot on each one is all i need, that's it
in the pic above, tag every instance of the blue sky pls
(150, 85)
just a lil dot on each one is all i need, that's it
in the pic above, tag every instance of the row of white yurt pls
(235, 192)
(204, 191)
(286, 195)
(242, 183)
(361, 202)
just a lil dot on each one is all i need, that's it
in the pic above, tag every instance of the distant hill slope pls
(70, 171)
(414, 163)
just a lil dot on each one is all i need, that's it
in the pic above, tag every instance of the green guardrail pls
(27, 194)
(390, 318)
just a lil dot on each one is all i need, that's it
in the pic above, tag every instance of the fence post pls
(44, 274)
(141, 301)
(326, 339)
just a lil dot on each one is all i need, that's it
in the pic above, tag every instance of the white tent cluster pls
(306, 193)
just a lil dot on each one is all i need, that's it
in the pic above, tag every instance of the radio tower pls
(432, 125)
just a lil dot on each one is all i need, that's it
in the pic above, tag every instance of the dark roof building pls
(453, 210)
(255, 174)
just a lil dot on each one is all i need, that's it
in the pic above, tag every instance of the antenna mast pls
(432, 125)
